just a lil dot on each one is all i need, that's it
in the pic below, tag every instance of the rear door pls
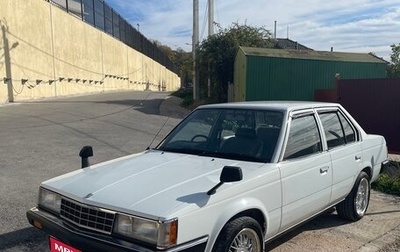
(305, 169)
(345, 150)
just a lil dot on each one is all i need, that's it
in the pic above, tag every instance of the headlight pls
(161, 234)
(49, 200)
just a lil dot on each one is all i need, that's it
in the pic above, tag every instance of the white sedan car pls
(229, 177)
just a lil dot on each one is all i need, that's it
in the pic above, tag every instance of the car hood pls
(151, 184)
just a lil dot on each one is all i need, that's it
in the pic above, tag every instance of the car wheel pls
(242, 234)
(356, 203)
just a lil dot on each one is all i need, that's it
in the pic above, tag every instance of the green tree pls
(217, 55)
(394, 66)
(165, 49)
(183, 61)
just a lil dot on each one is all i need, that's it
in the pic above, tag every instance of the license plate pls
(58, 246)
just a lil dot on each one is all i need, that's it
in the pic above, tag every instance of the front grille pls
(87, 217)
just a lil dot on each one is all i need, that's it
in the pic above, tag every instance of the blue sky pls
(346, 25)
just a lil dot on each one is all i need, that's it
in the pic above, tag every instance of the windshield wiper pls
(236, 156)
(179, 150)
(229, 155)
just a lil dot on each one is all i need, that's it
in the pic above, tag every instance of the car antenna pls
(148, 148)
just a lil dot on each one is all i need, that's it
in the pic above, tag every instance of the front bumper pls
(89, 241)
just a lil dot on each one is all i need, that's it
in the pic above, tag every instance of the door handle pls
(324, 170)
(358, 157)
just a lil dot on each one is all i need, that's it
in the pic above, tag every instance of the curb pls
(171, 107)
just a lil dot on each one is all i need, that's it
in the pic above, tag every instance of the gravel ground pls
(395, 247)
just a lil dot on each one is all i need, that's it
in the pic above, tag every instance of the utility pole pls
(210, 33)
(195, 43)
(210, 17)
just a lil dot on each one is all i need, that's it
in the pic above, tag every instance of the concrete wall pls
(46, 52)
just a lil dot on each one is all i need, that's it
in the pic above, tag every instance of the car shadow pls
(200, 199)
(28, 237)
(383, 212)
(323, 221)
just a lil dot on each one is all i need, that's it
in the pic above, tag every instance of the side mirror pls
(228, 174)
(231, 174)
(85, 153)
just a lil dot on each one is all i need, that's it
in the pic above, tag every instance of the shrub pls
(389, 179)
(186, 95)
(187, 101)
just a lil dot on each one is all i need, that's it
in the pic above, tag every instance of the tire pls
(241, 234)
(356, 203)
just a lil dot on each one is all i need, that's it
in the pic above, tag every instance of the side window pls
(349, 132)
(304, 138)
(338, 130)
(333, 129)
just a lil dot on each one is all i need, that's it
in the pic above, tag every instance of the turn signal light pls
(37, 224)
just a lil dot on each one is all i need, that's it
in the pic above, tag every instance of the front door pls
(305, 171)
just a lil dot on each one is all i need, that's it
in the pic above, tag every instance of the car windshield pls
(242, 134)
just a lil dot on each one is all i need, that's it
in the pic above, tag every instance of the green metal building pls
(277, 74)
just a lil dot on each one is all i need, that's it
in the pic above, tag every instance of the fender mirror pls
(228, 174)
(85, 153)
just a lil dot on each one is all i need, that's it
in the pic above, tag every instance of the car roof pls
(272, 105)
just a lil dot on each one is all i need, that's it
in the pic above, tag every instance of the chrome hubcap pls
(246, 240)
(362, 197)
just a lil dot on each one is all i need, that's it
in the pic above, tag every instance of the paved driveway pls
(40, 140)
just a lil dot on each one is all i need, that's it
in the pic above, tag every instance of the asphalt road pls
(40, 140)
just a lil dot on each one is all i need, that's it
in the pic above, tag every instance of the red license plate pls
(57, 246)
